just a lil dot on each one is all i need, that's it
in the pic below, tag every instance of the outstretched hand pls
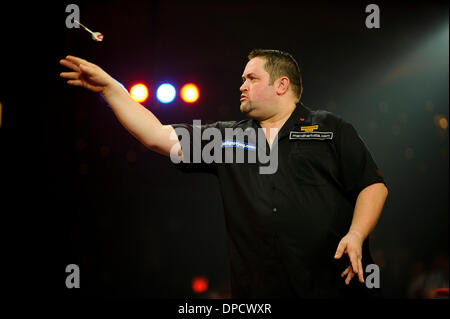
(351, 244)
(85, 74)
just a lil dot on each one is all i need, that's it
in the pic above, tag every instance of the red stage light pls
(190, 93)
(139, 92)
(199, 284)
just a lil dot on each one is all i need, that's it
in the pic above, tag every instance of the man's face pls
(257, 95)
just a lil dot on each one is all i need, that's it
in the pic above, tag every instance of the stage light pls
(199, 284)
(166, 93)
(139, 92)
(190, 93)
(443, 123)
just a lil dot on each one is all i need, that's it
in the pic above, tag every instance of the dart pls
(96, 36)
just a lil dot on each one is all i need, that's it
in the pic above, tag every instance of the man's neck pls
(278, 120)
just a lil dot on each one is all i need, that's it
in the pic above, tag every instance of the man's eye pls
(250, 78)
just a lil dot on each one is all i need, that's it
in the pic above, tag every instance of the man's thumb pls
(339, 251)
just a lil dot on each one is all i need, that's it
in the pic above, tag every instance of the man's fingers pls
(340, 250)
(87, 69)
(346, 271)
(69, 64)
(350, 275)
(70, 75)
(354, 261)
(360, 272)
(78, 61)
(75, 82)
(75, 60)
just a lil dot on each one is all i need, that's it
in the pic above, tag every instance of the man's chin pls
(246, 108)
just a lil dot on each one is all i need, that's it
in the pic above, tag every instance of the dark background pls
(78, 188)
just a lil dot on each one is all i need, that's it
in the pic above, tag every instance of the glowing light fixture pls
(139, 92)
(166, 93)
(190, 93)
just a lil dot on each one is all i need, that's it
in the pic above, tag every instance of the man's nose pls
(243, 87)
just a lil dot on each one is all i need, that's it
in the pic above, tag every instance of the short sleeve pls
(357, 167)
(193, 141)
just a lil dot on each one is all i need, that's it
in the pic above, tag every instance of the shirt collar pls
(300, 116)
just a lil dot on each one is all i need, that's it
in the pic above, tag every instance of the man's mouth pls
(243, 97)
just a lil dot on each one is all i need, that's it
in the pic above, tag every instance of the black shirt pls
(284, 228)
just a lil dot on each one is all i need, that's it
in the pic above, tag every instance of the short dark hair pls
(279, 63)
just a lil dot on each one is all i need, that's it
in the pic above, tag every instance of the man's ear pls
(282, 85)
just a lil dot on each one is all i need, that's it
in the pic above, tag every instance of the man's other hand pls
(351, 244)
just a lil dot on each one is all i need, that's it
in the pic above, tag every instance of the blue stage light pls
(166, 93)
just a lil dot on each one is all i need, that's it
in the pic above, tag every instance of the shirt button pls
(274, 209)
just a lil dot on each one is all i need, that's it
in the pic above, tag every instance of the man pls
(300, 231)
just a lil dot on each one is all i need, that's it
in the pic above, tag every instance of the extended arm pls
(136, 119)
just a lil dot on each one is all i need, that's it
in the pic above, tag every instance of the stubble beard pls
(246, 107)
